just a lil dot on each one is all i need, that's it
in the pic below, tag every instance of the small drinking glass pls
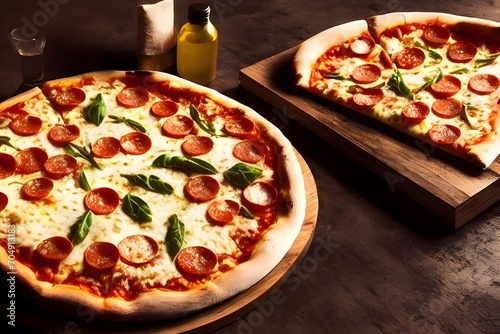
(30, 47)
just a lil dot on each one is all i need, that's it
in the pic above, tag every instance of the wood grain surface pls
(453, 189)
(34, 318)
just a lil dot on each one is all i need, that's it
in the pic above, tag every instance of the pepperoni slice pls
(133, 97)
(366, 73)
(483, 84)
(62, 134)
(436, 35)
(106, 147)
(4, 200)
(177, 126)
(201, 188)
(447, 108)
(36, 189)
(259, 196)
(241, 127)
(102, 201)
(135, 143)
(101, 256)
(416, 112)
(250, 151)
(447, 86)
(69, 98)
(30, 160)
(385, 59)
(55, 248)
(368, 98)
(7, 165)
(60, 165)
(444, 134)
(396, 32)
(26, 125)
(222, 212)
(462, 52)
(362, 46)
(165, 108)
(197, 145)
(410, 58)
(197, 260)
(137, 249)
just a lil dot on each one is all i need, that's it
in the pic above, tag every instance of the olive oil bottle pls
(197, 46)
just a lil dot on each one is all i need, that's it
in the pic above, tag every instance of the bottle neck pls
(200, 22)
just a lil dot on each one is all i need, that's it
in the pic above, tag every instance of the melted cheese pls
(473, 126)
(36, 221)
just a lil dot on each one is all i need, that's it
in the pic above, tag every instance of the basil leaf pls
(436, 78)
(162, 161)
(4, 140)
(241, 175)
(201, 121)
(245, 212)
(129, 122)
(337, 76)
(84, 183)
(186, 165)
(137, 209)
(82, 152)
(469, 106)
(175, 236)
(397, 84)
(461, 70)
(96, 111)
(151, 183)
(483, 62)
(468, 117)
(432, 54)
(79, 230)
(193, 165)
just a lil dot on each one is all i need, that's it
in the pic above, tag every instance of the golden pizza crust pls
(162, 304)
(311, 49)
(20, 98)
(379, 23)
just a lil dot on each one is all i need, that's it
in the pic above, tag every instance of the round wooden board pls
(210, 319)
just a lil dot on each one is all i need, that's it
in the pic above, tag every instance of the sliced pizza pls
(437, 77)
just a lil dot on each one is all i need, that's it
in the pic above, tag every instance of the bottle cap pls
(198, 13)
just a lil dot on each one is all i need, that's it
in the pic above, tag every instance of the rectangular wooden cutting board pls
(453, 189)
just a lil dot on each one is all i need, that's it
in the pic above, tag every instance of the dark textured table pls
(391, 266)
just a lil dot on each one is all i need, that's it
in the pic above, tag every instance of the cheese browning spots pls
(125, 188)
(417, 77)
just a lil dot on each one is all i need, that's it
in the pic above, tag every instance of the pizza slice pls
(345, 65)
(455, 59)
(437, 77)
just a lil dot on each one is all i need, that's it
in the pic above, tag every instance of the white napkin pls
(156, 36)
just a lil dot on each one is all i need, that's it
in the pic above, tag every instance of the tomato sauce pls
(14, 111)
(108, 284)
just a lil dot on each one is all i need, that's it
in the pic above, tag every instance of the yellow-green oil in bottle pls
(197, 46)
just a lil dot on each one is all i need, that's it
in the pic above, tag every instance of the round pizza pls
(434, 76)
(140, 195)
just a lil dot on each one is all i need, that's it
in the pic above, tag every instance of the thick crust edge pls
(377, 24)
(311, 49)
